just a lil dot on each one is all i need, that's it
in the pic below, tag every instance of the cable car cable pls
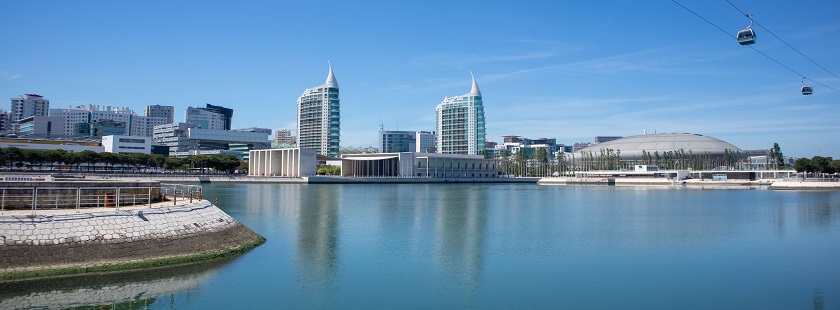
(750, 46)
(783, 41)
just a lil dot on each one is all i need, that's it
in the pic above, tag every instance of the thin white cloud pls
(9, 76)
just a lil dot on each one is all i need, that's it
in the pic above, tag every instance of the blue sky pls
(570, 70)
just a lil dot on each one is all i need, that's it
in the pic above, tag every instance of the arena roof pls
(632, 147)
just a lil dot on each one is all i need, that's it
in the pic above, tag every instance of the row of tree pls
(20, 158)
(817, 164)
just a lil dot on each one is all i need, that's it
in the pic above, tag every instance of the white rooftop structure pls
(331, 82)
(632, 147)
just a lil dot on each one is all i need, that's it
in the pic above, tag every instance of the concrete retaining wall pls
(805, 185)
(117, 239)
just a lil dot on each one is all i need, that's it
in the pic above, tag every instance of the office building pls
(41, 127)
(162, 111)
(205, 119)
(319, 118)
(226, 113)
(391, 141)
(397, 141)
(27, 105)
(284, 137)
(185, 139)
(460, 123)
(134, 124)
(72, 117)
(424, 142)
(5, 121)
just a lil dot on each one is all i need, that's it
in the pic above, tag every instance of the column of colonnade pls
(282, 163)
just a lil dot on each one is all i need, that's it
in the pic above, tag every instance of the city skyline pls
(569, 71)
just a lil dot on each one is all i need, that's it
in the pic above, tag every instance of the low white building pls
(69, 146)
(294, 163)
(426, 165)
(127, 144)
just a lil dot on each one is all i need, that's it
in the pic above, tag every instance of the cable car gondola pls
(747, 36)
(807, 90)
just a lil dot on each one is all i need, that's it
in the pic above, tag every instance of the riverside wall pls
(76, 242)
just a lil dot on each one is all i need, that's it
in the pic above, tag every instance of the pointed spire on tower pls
(474, 91)
(331, 82)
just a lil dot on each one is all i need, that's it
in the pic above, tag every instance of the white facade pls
(71, 117)
(145, 125)
(134, 124)
(127, 144)
(424, 165)
(69, 146)
(292, 163)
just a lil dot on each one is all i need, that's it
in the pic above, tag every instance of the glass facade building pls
(319, 118)
(460, 123)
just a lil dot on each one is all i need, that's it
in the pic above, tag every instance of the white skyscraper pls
(319, 118)
(460, 123)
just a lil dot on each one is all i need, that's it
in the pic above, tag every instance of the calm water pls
(447, 246)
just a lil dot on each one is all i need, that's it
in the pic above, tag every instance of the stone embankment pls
(806, 185)
(77, 241)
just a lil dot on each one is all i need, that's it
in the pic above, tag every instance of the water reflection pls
(317, 235)
(126, 290)
(819, 209)
(460, 233)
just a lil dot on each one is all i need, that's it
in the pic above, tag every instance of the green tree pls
(776, 156)
(34, 157)
(14, 155)
(89, 157)
(821, 164)
(243, 166)
(199, 161)
(157, 160)
(139, 159)
(110, 159)
(803, 165)
(72, 159)
(835, 164)
(231, 162)
(55, 156)
(176, 163)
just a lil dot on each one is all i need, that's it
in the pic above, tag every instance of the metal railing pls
(41, 198)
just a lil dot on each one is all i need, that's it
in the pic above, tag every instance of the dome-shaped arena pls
(632, 147)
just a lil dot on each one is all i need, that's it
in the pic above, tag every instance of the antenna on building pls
(381, 125)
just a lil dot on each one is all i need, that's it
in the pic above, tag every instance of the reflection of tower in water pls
(317, 236)
(461, 224)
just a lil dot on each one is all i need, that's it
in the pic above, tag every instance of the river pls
(454, 246)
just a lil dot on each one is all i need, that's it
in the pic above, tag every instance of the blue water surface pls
(508, 246)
